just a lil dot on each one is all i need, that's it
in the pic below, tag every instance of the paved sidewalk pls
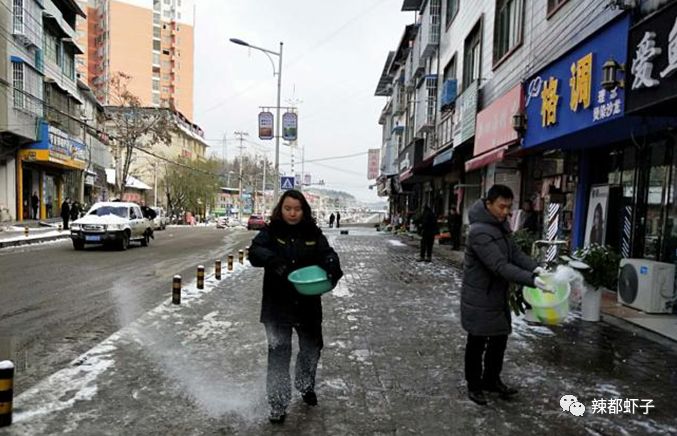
(392, 364)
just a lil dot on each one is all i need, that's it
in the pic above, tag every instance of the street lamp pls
(277, 108)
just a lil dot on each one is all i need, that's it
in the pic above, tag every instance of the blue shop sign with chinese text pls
(567, 96)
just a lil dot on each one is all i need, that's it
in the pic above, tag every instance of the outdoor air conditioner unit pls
(647, 285)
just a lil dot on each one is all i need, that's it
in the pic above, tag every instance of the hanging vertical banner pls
(373, 163)
(290, 123)
(266, 125)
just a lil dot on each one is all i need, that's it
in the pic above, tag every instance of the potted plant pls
(603, 273)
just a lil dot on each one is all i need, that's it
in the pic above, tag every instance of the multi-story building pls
(150, 41)
(186, 143)
(532, 94)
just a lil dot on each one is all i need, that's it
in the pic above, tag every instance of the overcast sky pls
(333, 56)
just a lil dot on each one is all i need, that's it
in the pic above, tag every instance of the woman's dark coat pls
(492, 261)
(281, 249)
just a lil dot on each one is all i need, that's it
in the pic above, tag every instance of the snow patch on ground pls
(396, 243)
(341, 291)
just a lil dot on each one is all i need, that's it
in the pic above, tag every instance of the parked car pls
(114, 223)
(256, 222)
(161, 220)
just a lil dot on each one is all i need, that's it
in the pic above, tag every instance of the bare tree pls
(133, 127)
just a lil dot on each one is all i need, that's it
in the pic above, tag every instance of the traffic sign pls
(286, 182)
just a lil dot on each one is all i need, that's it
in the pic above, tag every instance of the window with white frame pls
(18, 83)
(507, 27)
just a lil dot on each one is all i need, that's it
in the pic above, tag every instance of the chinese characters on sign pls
(642, 64)
(608, 104)
(580, 83)
(372, 169)
(265, 125)
(549, 99)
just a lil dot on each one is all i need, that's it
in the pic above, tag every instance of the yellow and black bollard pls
(176, 290)
(240, 256)
(230, 262)
(6, 392)
(26, 231)
(217, 269)
(200, 277)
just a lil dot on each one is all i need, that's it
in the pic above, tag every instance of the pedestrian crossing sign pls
(286, 183)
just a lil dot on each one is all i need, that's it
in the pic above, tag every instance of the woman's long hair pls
(307, 219)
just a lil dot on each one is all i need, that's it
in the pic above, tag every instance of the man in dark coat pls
(454, 221)
(492, 261)
(291, 241)
(150, 215)
(331, 220)
(338, 220)
(35, 204)
(65, 213)
(75, 211)
(429, 229)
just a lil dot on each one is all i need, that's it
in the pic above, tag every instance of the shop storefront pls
(574, 113)
(52, 169)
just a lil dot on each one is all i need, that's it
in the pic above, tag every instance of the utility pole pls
(303, 164)
(241, 135)
(263, 185)
(225, 149)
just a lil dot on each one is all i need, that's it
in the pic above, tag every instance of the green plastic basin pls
(311, 280)
(549, 308)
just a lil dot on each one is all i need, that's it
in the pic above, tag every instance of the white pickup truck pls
(114, 223)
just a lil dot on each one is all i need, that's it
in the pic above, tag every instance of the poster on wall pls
(595, 228)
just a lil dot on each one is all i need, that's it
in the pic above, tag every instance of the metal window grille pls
(435, 13)
(18, 16)
(18, 83)
(431, 87)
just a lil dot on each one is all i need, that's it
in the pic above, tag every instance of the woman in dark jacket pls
(492, 261)
(291, 241)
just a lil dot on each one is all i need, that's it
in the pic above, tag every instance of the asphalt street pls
(56, 303)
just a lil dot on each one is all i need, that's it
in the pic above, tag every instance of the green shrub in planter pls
(603, 262)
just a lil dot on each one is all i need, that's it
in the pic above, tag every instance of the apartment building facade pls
(149, 41)
(530, 94)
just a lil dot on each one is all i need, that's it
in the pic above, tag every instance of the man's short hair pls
(499, 191)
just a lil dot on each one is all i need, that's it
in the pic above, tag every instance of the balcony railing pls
(426, 107)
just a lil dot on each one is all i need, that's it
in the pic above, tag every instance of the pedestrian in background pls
(291, 241)
(492, 261)
(429, 229)
(331, 220)
(338, 220)
(65, 212)
(454, 221)
(35, 204)
(75, 211)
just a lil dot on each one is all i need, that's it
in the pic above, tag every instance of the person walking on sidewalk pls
(454, 222)
(429, 229)
(291, 241)
(338, 219)
(65, 212)
(492, 261)
(35, 203)
(331, 220)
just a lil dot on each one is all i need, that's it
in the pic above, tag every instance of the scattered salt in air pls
(396, 243)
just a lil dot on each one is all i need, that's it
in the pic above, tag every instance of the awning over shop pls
(443, 157)
(485, 159)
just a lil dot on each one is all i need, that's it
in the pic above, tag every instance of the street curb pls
(18, 243)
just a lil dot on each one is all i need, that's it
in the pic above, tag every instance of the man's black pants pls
(427, 242)
(484, 360)
(278, 383)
